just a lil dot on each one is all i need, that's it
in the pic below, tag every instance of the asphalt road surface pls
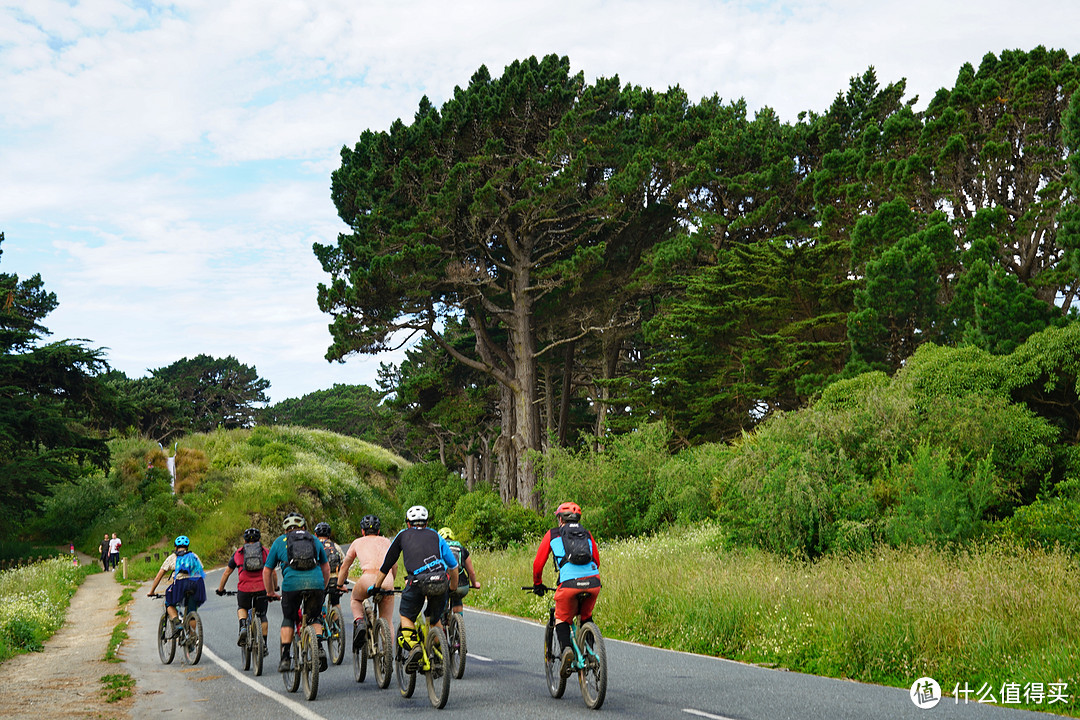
(504, 678)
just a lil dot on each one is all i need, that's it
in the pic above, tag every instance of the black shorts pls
(412, 601)
(249, 600)
(290, 605)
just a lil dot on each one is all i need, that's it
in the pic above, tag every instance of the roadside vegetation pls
(33, 601)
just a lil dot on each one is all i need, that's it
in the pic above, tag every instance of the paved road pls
(504, 678)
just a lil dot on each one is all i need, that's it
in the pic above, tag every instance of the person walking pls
(114, 551)
(104, 550)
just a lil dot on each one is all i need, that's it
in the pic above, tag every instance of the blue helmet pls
(181, 541)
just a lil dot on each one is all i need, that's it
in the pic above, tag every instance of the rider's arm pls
(472, 573)
(153, 588)
(540, 560)
(346, 563)
(595, 551)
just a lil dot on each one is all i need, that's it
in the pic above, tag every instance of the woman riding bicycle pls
(186, 576)
(577, 562)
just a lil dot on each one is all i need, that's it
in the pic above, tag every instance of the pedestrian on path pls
(104, 550)
(114, 551)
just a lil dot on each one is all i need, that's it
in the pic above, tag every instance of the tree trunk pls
(567, 388)
(526, 409)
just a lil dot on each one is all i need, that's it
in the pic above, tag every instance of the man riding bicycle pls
(249, 558)
(186, 575)
(426, 556)
(334, 558)
(577, 562)
(370, 550)
(305, 572)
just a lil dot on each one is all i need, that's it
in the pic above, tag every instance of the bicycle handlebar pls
(532, 588)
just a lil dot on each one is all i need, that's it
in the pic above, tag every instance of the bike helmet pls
(323, 529)
(181, 541)
(252, 535)
(447, 534)
(370, 523)
(417, 514)
(293, 520)
(569, 511)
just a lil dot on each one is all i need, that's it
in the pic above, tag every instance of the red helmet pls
(568, 508)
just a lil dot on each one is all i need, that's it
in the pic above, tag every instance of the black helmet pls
(370, 522)
(322, 529)
(252, 535)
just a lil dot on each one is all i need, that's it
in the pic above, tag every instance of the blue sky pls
(166, 167)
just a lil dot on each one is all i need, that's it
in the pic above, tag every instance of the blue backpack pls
(188, 562)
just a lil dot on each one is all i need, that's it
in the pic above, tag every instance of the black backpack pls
(253, 556)
(577, 545)
(333, 555)
(300, 548)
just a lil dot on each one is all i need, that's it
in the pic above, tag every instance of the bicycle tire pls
(335, 636)
(455, 638)
(291, 678)
(257, 643)
(438, 673)
(384, 653)
(166, 646)
(406, 680)
(593, 677)
(360, 660)
(193, 638)
(245, 649)
(309, 645)
(556, 683)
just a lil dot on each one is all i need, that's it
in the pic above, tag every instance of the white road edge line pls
(481, 658)
(701, 713)
(287, 702)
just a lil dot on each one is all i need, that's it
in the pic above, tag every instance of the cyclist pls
(577, 562)
(370, 550)
(250, 591)
(426, 556)
(466, 573)
(186, 575)
(304, 567)
(333, 556)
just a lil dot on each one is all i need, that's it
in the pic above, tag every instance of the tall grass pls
(33, 602)
(988, 614)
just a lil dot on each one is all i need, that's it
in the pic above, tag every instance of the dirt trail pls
(64, 680)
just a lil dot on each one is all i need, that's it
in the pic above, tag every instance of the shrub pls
(481, 519)
(434, 487)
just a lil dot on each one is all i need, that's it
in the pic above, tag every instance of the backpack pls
(577, 545)
(333, 555)
(253, 556)
(456, 549)
(300, 548)
(188, 562)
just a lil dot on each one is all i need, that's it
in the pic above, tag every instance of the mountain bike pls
(188, 635)
(305, 653)
(590, 658)
(334, 629)
(456, 645)
(377, 645)
(254, 648)
(432, 662)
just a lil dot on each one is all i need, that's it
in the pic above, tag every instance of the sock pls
(286, 651)
(562, 632)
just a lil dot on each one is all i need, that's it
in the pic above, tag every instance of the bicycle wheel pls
(455, 640)
(166, 646)
(291, 677)
(593, 678)
(309, 668)
(245, 649)
(553, 663)
(438, 674)
(257, 645)
(335, 636)
(383, 643)
(193, 638)
(406, 680)
(360, 658)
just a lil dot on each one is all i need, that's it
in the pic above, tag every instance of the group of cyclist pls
(438, 570)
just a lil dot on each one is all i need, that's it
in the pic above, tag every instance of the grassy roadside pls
(990, 616)
(33, 602)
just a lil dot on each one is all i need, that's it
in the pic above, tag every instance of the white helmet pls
(417, 514)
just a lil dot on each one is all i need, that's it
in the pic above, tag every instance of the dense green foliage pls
(33, 602)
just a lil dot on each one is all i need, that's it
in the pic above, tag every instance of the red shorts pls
(576, 597)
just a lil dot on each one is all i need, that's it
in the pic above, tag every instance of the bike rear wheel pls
(309, 648)
(438, 674)
(593, 678)
(256, 645)
(553, 662)
(193, 638)
(335, 636)
(455, 639)
(360, 658)
(245, 649)
(166, 645)
(383, 642)
(406, 680)
(291, 677)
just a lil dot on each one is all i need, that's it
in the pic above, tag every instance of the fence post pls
(123, 561)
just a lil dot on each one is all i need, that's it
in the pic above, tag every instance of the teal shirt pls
(297, 579)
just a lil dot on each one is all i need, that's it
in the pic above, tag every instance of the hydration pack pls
(253, 556)
(333, 555)
(188, 562)
(577, 546)
(300, 548)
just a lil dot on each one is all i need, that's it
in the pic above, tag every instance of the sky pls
(165, 167)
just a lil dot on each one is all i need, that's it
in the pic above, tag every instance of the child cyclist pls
(186, 575)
